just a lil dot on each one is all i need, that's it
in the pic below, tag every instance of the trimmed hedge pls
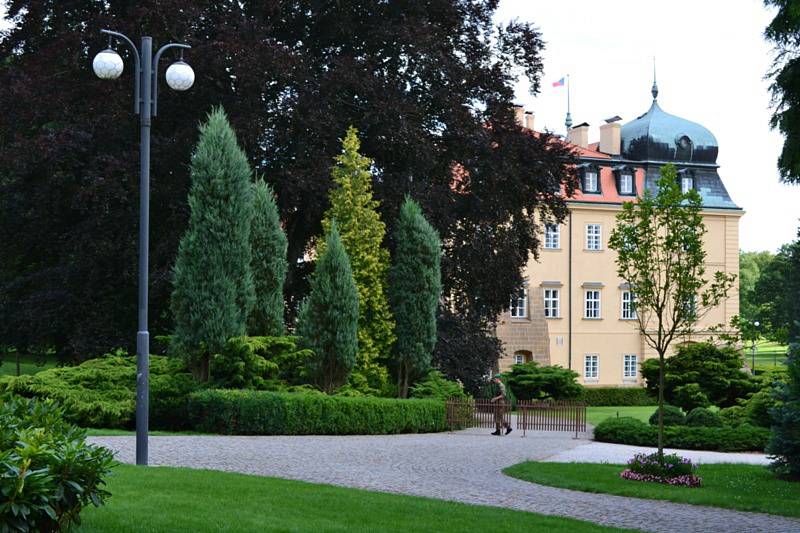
(600, 396)
(244, 412)
(627, 430)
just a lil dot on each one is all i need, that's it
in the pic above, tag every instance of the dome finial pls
(654, 89)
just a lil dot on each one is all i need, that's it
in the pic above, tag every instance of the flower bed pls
(673, 470)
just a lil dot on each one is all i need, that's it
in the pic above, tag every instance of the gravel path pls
(464, 466)
(601, 452)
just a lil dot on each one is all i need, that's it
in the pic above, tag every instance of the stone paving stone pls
(464, 466)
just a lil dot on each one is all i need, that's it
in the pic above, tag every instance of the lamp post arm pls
(137, 68)
(155, 71)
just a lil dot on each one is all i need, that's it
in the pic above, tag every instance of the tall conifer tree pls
(415, 288)
(269, 264)
(213, 284)
(328, 318)
(362, 232)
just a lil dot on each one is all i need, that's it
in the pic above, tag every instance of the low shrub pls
(246, 412)
(262, 363)
(758, 407)
(530, 381)
(602, 396)
(673, 416)
(733, 416)
(102, 392)
(436, 386)
(690, 396)
(627, 430)
(702, 417)
(48, 473)
(672, 469)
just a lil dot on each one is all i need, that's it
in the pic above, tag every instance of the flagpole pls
(568, 120)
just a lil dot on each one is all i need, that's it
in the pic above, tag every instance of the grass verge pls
(740, 487)
(595, 415)
(179, 499)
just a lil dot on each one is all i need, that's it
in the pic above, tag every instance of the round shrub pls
(690, 396)
(757, 408)
(673, 416)
(625, 430)
(733, 416)
(702, 417)
(531, 381)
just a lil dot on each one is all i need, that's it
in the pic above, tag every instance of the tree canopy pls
(428, 85)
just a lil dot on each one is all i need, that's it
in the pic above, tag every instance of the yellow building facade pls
(574, 310)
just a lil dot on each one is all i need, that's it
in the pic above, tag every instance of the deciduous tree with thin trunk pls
(659, 245)
(415, 287)
(213, 281)
(328, 318)
(268, 243)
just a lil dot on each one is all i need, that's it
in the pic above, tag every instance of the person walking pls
(500, 408)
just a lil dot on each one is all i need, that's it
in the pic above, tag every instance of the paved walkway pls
(464, 466)
(601, 452)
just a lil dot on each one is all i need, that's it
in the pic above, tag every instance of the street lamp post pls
(180, 77)
(753, 346)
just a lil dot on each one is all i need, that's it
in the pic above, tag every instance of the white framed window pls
(628, 307)
(591, 308)
(519, 304)
(626, 184)
(552, 236)
(630, 368)
(591, 366)
(687, 184)
(590, 181)
(519, 359)
(551, 303)
(594, 236)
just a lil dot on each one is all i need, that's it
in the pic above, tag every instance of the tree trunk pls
(16, 354)
(661, 408)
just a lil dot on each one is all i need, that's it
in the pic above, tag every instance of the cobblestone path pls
(465, 466)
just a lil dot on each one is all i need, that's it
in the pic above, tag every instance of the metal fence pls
(529, 415)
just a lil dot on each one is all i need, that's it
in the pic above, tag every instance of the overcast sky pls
(711, 59)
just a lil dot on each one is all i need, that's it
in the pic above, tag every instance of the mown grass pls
(178, 499)
(741, 487)
(595, 415)
(28, 364)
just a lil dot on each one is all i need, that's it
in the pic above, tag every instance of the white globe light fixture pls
(107, 64)
(180, 76)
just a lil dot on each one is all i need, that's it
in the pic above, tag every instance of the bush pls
(101, 392)
(717, 371)
(784, 445)
(48, 473)
(436, 386)
(672, 469)
(600, 396)
(529, 381)
(272, 413)
(262, 363)
(758, 407)
(673, 416)
(627, 430)
(733, 416)
(690, 396)
(702, 417)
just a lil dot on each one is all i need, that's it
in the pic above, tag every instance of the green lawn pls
(741, 487)
(28, 365)
(768, 353)
(595, 415)
(179, 499)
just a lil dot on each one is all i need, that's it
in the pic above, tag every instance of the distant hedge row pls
(600, 396)
(247, 412)
(627, 430)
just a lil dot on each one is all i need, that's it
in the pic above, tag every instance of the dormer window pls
(625, 183)
(590, 181)
(687, 184)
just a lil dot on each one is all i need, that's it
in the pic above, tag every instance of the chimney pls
(579, 135)
(610, 136)
(519, 113)
(529, 120)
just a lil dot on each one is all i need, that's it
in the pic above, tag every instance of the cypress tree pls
(784, 442)
(415, 288)
(362, 232)
(328, 318)
(268, 242)
(213, 281)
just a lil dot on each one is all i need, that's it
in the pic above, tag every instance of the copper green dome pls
(660, 136)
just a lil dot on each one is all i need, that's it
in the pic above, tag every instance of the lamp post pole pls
(108, 65)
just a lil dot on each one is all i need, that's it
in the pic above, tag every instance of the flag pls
(559, 83)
